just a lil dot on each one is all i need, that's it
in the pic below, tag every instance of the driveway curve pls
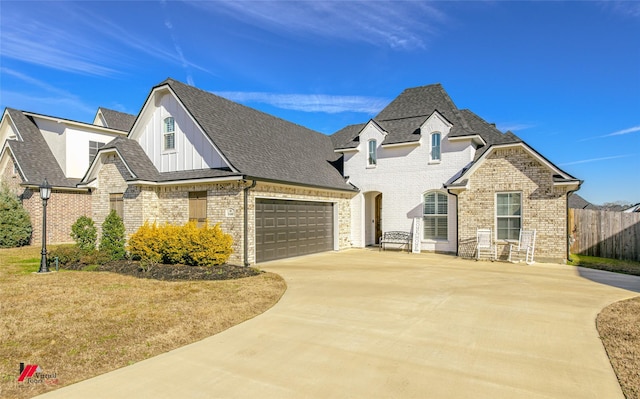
(369, 324)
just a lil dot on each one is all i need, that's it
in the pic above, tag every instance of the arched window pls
(169, 126)
(435, 146)
(435, 215)
(372, 159)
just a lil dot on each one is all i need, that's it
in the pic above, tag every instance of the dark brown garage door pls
(292, 228)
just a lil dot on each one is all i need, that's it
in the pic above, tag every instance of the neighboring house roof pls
(577, 202)
(404, 116)
(634, 208)
(116, 119)
(255, 144)
(33, 155)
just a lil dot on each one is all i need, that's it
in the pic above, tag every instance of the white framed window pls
(435, 216)
(169, 133)
(508, 215)
(435, 147)
(372, 158)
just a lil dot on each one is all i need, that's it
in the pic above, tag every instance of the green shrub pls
(66, 254)
(188, 244)
(84, 233)
(95, 257)
(15, 223)
(112, 241)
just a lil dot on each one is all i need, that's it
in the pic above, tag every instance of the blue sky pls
(564, 76)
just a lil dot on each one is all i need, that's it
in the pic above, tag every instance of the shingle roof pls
(33, 155)
(261, 145)
(143, 169)
(347, 136)
(489, 133)
(117, 120)
(402, 118)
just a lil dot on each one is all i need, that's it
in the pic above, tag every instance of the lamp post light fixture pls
(45, 193)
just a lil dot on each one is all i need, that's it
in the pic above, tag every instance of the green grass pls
(610, 265)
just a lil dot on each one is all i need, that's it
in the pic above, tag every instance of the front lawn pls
(80, 324)
(610, 265)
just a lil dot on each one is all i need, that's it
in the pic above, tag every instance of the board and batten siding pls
(192, 148)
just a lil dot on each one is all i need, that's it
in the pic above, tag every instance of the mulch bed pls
(170, 272)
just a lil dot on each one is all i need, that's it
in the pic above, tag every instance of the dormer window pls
(435, 147)
(372, 158)
(169, 133)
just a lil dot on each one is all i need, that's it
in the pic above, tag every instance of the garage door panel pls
(286, 228)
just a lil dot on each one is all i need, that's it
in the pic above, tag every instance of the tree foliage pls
(84, 233)
(15, 223)
(113, 239)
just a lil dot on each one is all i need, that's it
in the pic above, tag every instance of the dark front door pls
(291, 228)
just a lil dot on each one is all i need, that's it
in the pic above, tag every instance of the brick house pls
(283, 190)
(34, 147)
(423, 161)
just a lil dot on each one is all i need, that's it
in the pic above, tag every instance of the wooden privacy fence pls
(605, 234)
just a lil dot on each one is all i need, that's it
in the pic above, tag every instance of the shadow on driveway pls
(619, 280)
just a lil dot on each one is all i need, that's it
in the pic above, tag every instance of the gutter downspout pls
(457, 226)
(246, 223)
(569, 227)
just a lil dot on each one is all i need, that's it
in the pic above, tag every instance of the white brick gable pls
(403, 175)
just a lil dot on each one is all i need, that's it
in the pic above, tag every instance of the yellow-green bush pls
(188, 244)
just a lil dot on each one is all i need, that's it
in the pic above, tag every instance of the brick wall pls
(225, 205)
(543, 205)
(63, 209)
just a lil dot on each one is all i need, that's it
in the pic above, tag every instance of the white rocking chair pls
(484, 244)
(526, 244)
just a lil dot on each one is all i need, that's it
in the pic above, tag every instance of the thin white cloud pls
(176, 45)
(54, 95)
(399, 25)
(595, 159)
(52, 45)
(310, 102)
(514, 127)
(622, 132)
(625, 7)
(88, 43)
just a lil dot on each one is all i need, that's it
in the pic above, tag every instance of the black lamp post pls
(45, 193)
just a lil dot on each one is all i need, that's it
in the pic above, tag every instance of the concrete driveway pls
(366, 324)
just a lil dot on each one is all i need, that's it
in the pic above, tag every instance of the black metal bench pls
(395, 237)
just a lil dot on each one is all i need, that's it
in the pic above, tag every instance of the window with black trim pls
(435, 216)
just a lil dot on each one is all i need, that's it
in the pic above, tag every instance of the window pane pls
(442, 204)
(372, 152)
(169, 125)
(429, 227)
(169, 141)
(509, 215)
(435, 146)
